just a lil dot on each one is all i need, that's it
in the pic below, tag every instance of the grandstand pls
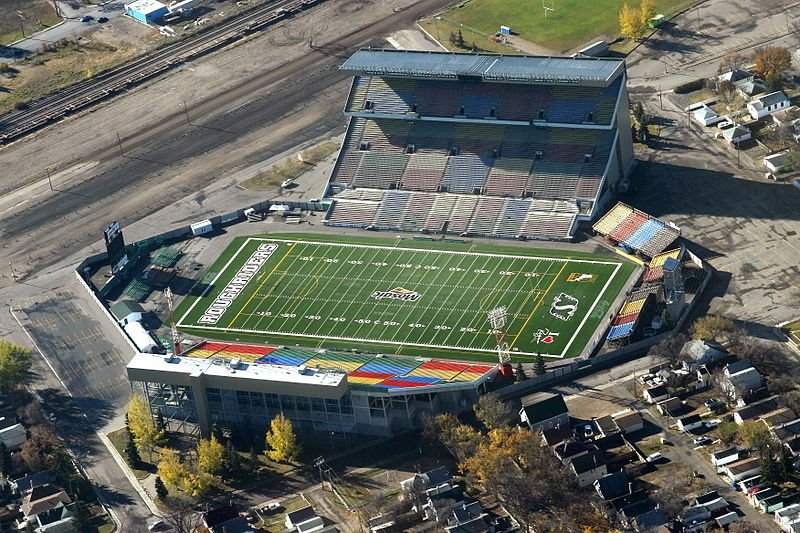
(513, 147)
(636, 231)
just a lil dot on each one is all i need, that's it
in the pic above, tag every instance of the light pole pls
(21, 26)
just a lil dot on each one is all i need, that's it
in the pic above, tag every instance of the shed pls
(726, 456)
(775, 162)
(670, 407)
(127, 311)
(706, 116)
(628, 421)
(656, 394)
(727, 519)
(202, 227)
(543, 411)
(140, 337)
(688, 423)
(737, 134)
(743, 469)
(146, 11)
(13, 436)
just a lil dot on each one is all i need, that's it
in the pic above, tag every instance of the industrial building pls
(246, 386)
(146, 11)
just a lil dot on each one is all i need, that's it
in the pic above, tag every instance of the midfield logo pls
(544, 335)
(398, 293)
(564, 306)
(576, 276)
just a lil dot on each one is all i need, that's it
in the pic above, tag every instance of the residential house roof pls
(629, 499)
(756, 410)
(613, 485)
(33, 480)
(794, 444)
(657, 391)
(735, 75)
(543, 406)
(628, 421)
(767, 100)
(671, 405)
(7, 422)
(737, 366)
(788, 431)
(59, 512)
(437, 476)
(784, 415)
(698, 350)
(707, 498)
(776, 160)
(588, 462)
(650, 520)
(735, 132)
(751, 88)
(755, 396)
(744, 465)
(569, 449)
(39, 501)
(727, 452)
(556, 434)
(301, 515)
(691, 419)
(705, 113)
(606, 425)
(220, 515)
(468, 518)
(234, 525)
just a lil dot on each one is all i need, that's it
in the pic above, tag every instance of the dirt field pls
(35, 16)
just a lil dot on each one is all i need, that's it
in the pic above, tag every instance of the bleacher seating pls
(542, 224)
(441, 211)
(487, 211)
(511, 217)
(424, 172)
(417, 211)
(612, 219)
(659, 242)
(351, 213)
(380, 170)
(628, 226)
(462, 213)
(636, 230)
(358, 94)
(390, 210)
(465, 173)
(508, 177)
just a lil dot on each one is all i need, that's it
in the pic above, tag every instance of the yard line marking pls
(536, 307)
(262, 284)
(538, 294)
(482, 288)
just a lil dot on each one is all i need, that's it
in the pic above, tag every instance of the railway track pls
(85, 94)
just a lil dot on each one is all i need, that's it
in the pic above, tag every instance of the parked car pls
(87, 18)
(725, 124)
(713, 423)
(701, 441)
(101, 20)
(653, 457)
(587, 431)
(159, 525)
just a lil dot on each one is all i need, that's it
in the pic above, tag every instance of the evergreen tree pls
(132, 454)
(160, 424)
(460, 40)
(452, 37)
(253, 459)
(232, 463)
(5, 460)
(539, 366)
(769, 467)
(784, 464)
(520, 373)
(81, 517)
(161, 489)
(217, 432)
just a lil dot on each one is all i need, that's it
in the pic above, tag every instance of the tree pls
(630, 24)
(282, 445)
(253, 459)
(452, 37)
(519, 373)
(210, 455)
(539, 367)
(160, 424)
(15, 361)
(730, 62)
(161, 489)
(197, 483)
(460, 40)
(145, 433)
(646, 12)
(492, 411)
(81, 517)
(460, 439)
(232, 463)
(755, 435)
(727, 432)
(132, 454)
(669, 349)
(181, 516)
(772, 61)
(712, 327)
(6, 466)
(171, 470)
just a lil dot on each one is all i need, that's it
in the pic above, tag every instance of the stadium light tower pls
(176, 346)
(497, 318)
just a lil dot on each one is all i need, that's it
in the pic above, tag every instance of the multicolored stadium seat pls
(636, 230)
(384, 372)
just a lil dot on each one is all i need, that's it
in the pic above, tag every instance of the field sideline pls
(406, 296)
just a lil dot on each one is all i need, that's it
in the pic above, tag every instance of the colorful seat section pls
(383, 372)
(637, 231)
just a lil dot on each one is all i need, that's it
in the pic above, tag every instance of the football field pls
(403, 296)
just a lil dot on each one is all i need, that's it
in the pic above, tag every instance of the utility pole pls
(186, 112)
(660, 101)
(119, 143)
(21, 25)
(49, 180)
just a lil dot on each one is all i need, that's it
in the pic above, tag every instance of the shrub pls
(689, 87)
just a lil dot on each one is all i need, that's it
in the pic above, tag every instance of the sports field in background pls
(402, 296)
(570, 23)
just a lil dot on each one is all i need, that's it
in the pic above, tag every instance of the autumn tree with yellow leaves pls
(282, 445)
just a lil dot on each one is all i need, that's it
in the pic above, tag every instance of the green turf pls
(321, 293)
(570, 24)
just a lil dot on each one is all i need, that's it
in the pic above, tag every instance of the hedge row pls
(689, 86)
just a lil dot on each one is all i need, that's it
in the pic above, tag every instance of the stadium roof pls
(525, 69)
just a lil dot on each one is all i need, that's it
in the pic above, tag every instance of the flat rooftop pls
(521, 69)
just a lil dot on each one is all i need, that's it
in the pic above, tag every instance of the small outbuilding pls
(737, 134)
(706, 116)
(126, 311)
(688, 423)
(146, 11)
(544, 411)
(140, 337)
(202, 227)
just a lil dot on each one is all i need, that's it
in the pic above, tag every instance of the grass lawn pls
(403, 296)
(290, 168)
(28, 15)
(570, 24)
(274, 522)
(119, 439)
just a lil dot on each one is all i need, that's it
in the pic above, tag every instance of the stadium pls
(357, 332)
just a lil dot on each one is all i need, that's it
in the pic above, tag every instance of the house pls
(569, 449)
(56, 520)
(655, 394)
(12, 433)
(614, 485)
(742, 469)
(706, 116)
(767, 104)
(786, 432)
(737, 384)
(31, 481)
(736, 77)
(755, 410)
(727, 519)
(703, 376)
(794, 445)
(737, 134)
(42, 499)
(787, 515)
(725, 457)
(775, 162)
(749, 89)
(560, 433)
(589, 467)
(606, 426)
(782, 416)
(628, 421)
(469, 518)
(736, 366)
(650, 520)
(303, 520)
(689, 423)
(693, 518)
(696, 353)
(441, 501)
(431, 478)
(670, 407)
(544, 411)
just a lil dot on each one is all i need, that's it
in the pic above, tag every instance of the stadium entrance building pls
(484, 145)
(247, 385)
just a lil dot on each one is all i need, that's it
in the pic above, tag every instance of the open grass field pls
(402, 296)
(30, 15)
(570, 23)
